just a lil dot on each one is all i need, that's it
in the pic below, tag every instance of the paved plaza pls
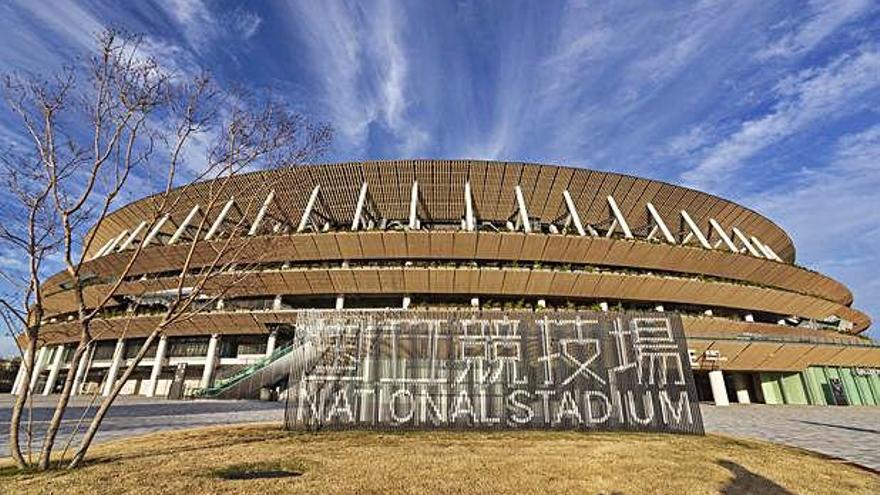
(849, 433)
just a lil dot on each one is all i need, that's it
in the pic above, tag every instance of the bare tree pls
(144, 123)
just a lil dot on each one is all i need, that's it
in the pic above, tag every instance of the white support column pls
(413, 206)
(772, 252)
(134, 233)
(219, 220)
(469, 220)
(104, 249)
(749, 317)
(475, 302)
(261, 213)
(38, 367)
(357, 220)
(658, 221)
(80, 372)
(768, 252)
(271, 341)
(118, 356)
(603, 306)
(19, 377)
(277, 303)
(659, 308)
(745, 242)
(210, 362)
(158, 362)
(719, 391)
(724, 237)
(621, 221)
(181, 229)
(695, 230)
(406, 302)
(340, 302)
(760, 247)
(54, 371)
(307, 213)
(542, 303)
(151, 235)
(740, 384)
(116, 241)
(523, 212)
(573, 213)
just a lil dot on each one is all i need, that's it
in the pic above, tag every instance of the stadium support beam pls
(724, 237)
(357, 220)
(134, 233)
(54, 371)
(156, 371)
(81, 369)
(106, 248)
(219, 220)
(151, 236)
(210, 362)
(469, 220)
(741, 387)
(414, 206)
(719, 390)
(523, 212)
(307, 213)
(19, 377)
(118, 356)
(573, 213)
(771, 252)
(746, 242)
(768, 253)
(115, 242)
(181, 229)
(39, 362)
(261, 213)
(688, 222)
(618, 217)
(658, 222)
(270, 342)
(103, 249)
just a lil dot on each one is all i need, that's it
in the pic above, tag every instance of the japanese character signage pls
(494, 369)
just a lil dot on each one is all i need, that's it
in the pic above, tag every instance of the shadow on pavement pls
(842, 427)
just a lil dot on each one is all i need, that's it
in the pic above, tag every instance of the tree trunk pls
(108, 402)
(60, 408)
(18, 407)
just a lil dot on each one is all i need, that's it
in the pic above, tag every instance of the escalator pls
(268, 372)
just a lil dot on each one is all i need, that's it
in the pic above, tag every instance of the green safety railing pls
(225, 383)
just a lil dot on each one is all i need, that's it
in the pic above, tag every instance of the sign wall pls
(493, 369)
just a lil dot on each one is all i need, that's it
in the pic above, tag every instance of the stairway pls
(267, 372)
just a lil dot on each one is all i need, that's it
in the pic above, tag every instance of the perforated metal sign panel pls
(412, 369)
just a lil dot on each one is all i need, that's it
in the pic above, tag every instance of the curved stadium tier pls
(437, 234)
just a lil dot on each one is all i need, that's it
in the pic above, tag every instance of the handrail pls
(243, 373)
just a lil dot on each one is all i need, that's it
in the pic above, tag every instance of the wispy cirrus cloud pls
(823, 18)
(361, 68)
(202, 25)
(802, 99)
(830, 207)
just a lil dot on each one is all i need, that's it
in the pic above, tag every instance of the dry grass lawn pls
(195, 461)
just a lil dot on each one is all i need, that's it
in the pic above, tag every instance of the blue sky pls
(771, 104)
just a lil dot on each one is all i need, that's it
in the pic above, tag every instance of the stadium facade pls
(423, 235)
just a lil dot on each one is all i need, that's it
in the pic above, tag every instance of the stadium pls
(463, 235)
